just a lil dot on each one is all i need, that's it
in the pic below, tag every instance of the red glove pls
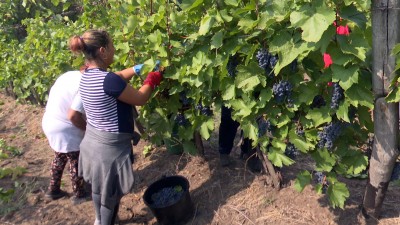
(153, 79)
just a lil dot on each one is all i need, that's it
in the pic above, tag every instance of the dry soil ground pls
(222, 196)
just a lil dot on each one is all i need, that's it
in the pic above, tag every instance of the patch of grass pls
(10, 150)
(18, 199)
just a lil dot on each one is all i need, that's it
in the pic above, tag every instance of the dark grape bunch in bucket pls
(167, 196)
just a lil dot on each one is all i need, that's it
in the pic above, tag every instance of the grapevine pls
(263, 59)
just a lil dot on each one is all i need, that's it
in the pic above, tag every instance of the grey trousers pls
(106, 215)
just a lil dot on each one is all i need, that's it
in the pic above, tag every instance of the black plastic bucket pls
(179, 211)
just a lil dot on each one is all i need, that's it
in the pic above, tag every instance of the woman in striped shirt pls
(108, 98)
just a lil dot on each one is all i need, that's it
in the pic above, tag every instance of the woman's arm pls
(77, 119)
(126, 74)
(132, 96)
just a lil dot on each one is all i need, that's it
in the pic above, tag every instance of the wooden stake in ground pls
(385, 34)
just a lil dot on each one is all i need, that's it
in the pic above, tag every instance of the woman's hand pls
(153, 79)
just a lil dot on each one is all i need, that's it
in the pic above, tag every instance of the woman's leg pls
(108, 215)
(116, 209)
(77, 182)
(57, 169)
(97, 205)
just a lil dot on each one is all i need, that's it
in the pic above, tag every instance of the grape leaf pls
(206, 24)
(302, 180)
(337, 193)
(319, 116)
(278, 158)
(323, 159)
(216, 40)
(314, 23)
(359, 95)
(205, 129)
(351, 13)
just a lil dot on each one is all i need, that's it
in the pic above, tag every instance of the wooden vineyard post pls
(385, 34)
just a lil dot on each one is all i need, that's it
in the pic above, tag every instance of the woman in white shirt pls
(64, 126)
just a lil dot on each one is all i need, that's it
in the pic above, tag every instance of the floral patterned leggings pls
(57, 169)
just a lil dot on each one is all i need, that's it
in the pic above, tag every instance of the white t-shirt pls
(63, 136)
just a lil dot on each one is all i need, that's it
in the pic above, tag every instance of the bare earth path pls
(221, 196)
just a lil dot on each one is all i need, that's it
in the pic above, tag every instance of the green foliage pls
(13, 172)
(194, 40)
(394, 94)
(6, 195)
(303, 179)
(6, 150)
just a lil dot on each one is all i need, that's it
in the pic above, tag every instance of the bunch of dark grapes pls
(181, 120)
(318, 102)
(263, 57)
(337, 95)
(167, 196)
(232, 64)
(266, 61)
(329, 134)
(264, 126)
(199, 106)
(273, 60)
(184, 99)
(205, 110)
(396, 172)
(291, 151)
(283, 91)
(320, 178)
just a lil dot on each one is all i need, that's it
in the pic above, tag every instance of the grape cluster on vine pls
(181, 120)
(320, 178)
(204, 110)
(166, 196)
(264, 126)
(337, 95)
(291, 151)
(283, 92)
(318, 102)
(266, 61)
(184, 99)
(233, 62)
(329, 134)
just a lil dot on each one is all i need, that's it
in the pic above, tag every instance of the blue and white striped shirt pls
(99, 90)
